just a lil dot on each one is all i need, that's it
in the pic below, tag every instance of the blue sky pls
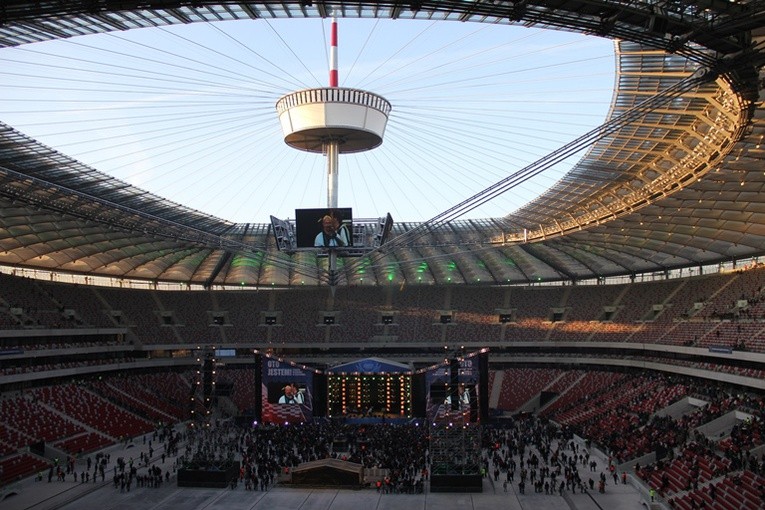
(188, 112)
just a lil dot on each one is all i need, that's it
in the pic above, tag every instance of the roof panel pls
(640, 200)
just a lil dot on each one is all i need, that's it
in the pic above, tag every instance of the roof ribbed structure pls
(672, 179)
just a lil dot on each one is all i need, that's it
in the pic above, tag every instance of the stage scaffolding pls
(455, 449)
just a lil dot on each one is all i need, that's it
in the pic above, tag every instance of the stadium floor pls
(279, 498)
(42, 495)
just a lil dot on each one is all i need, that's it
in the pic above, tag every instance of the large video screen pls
(448, 400)
(287, 392)
(324, 228)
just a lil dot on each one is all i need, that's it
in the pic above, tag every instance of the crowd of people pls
(265, 451)
(545, 457)
(146, 471)
(528, 452)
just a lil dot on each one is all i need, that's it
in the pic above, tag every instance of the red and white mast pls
(331, 146)
(333, 54)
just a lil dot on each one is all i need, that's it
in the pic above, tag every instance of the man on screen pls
(291, 395)
(333, 232)
(463, 397)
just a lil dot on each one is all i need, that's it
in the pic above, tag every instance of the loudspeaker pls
(257, 406)
(320, 395)
(454, 382)
(483, 386)
(207, 378)
(419, 395)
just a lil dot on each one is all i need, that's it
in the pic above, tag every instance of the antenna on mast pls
(333, 54)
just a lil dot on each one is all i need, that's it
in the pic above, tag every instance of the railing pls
(333, 95)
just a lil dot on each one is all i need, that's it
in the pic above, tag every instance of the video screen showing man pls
(291, 394)
(463, 397)
(333, 232)
(326, 228)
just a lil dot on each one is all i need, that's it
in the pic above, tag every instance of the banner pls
(287, 392)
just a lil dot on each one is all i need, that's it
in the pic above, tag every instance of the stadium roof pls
(673, 179)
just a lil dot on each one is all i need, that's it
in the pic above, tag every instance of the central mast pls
(333, 121)
(332, 147)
